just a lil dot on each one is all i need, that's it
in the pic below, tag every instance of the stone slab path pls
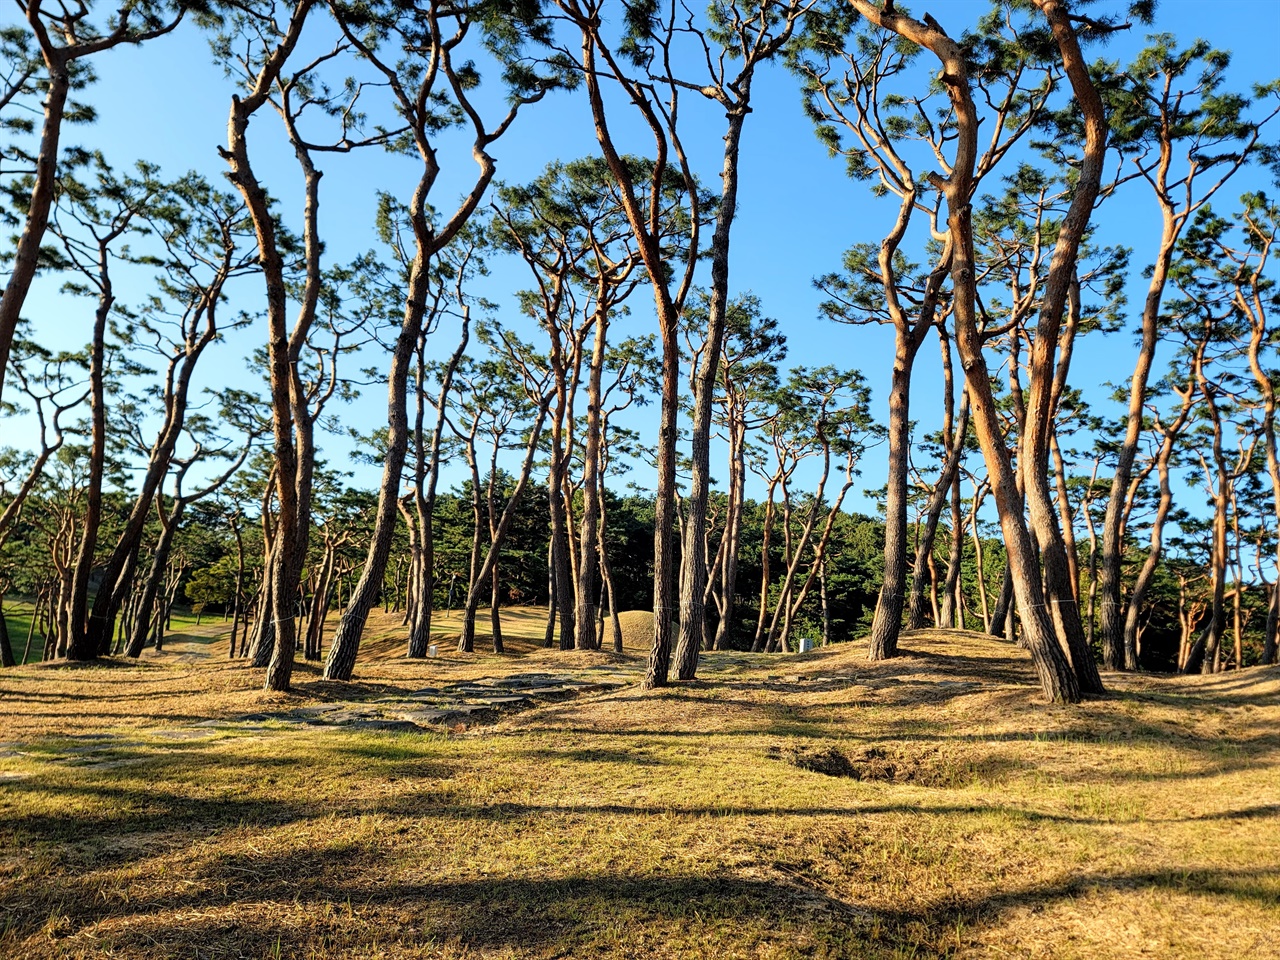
(466, 704)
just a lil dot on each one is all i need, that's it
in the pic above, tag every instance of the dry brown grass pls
(637, 629)
(667, 824)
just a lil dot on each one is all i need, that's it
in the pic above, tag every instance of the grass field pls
(17, 616)
(795, 806)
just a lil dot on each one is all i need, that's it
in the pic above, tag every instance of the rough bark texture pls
(887, 623)
(646, 229)
(27, 253)
(292, 484)
(1060, 591)
(364, 596)
(1057, 678)
(117, 573)
(82, 647)
(693, 557)
(589, 526)
(417, 106)
(151, 586)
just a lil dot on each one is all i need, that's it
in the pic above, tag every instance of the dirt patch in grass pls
(923, 766)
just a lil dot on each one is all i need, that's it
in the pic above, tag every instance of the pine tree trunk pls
(151, 587)
(1111, 627)
(693, 560)
(758, 643)
(922, 570)
(495, 614)
(951, 589)
(1057, 678)
(733, 537)
(589, 527)
(26, 254)
(466, 641)
(606, 572)
(6, 649)
(887, 623)
(82, 648)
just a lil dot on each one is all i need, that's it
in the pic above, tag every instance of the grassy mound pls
(637, 630)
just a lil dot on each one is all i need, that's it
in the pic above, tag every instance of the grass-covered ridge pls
(969, 820)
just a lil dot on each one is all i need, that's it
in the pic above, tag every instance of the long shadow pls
(1217, 756)
(579, 914)
(633, 758)
(673, 695)
(1260, 812)
(159, 719)
(1201, 699)
(988, 670)
(99, 820)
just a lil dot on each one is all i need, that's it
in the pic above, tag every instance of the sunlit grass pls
(670, 824)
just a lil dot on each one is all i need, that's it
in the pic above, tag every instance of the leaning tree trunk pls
(293, 462)
(1060, 590)
(466, 641)
(733, 538)
(420, 637)
(346, 641)
(117, 574)
(151, 586)
(693, 559)
(1111, 626)
(887, 623)
(82, 647)
(1057, 678)
(933, 514)
(757, 645)
(26, 255)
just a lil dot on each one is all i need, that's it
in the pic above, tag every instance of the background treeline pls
(180, 452)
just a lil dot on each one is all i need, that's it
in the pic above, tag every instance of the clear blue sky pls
(167, 103)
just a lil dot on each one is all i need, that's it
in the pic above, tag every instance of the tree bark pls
(27, 253)
(346, 640)
(1060, 591)
(693, 557)
(937, 502)
(589, 526)
(1058, 679)
(81, 647)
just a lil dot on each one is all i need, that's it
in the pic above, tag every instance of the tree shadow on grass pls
(581, 915)
(632, 758)
(292, 905)
(989, 670)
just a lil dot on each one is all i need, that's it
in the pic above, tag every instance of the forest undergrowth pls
(809, 805)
